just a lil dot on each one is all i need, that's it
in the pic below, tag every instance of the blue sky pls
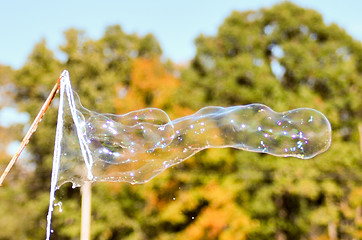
(175, 23)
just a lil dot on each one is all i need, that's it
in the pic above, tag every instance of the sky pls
(174, 23)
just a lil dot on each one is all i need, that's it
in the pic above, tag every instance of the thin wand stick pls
(31, 130)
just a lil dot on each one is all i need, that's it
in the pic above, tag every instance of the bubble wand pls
(137, 146)
(31, 130)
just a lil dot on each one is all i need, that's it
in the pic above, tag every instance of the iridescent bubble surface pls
(139, 145)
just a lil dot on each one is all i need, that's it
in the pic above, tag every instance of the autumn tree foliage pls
(284, 56)
(152, 84)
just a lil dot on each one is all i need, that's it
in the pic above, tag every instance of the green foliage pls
(219, 193)
(290, 198)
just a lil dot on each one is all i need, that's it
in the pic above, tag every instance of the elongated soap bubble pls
(139, 145)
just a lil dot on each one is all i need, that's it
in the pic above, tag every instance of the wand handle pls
(31, 130)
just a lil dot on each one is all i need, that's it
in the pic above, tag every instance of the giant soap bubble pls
(139, 145)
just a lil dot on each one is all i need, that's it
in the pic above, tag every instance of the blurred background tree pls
(285, 57)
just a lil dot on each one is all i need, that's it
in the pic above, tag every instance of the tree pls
(6, 132)
(151, 85)
(103, 65)
(286, 57)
